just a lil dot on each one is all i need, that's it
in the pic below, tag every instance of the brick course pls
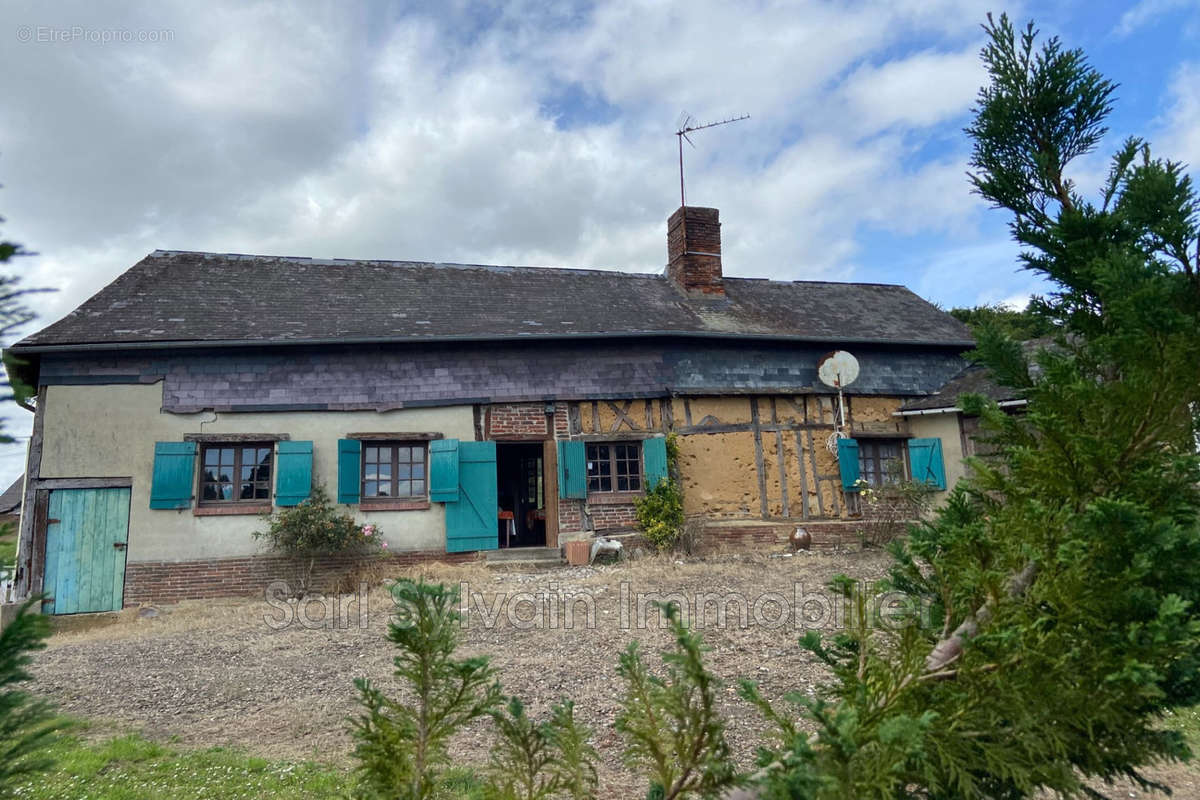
(172, 581)
(527, 419)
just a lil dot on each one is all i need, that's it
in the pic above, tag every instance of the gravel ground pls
(231, 673)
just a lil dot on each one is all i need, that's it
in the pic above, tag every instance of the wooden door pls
(87, 531)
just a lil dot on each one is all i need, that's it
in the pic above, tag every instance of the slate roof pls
(10, 501)
(199, 298)
(974, 379)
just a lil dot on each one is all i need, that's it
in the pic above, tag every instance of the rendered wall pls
(947, 428)
(110, 431)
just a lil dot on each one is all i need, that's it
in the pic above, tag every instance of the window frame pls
(238, 448)
(871, 443)
(392, 499)
(614, 475)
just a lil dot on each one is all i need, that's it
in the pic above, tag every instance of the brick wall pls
(606, 517)
(527, 419)
(172, 581)
(774, 536)
(694, 250)
(570, 516)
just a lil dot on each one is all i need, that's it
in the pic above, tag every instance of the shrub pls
(660, 511)
(28, 725)
(316, 527)
(888, 510)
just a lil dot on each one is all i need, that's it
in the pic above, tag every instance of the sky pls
(537, 134)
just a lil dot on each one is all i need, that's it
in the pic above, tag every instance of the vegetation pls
(660, 511)
(28, 725)
(1021, 325)
(317, 527)
(401, 745)
(888, 510)
(671, 724)
(1064, 572)
(133, 768)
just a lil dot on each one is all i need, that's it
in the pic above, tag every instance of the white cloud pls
(1179, 130)
(442, 134)
(1145, 12)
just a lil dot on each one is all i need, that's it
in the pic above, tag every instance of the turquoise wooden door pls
(472, 521)
(85, 550)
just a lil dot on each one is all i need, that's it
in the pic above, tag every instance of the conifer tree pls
(1064, 574)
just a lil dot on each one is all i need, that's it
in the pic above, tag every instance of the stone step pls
(524, 555)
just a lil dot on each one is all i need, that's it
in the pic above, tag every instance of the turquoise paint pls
(654, 461)
(925, 459)
(572, 469)
(443, 470)
(472, 521)
(847, 453)
(174, 470)
(84, 571)
(349, 471)
(293, 472)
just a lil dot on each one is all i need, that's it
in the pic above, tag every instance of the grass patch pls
(132, 768)
(1187, 722)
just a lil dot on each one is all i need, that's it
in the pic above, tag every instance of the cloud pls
(1145, 13)
(512, 133)
(1179, 129)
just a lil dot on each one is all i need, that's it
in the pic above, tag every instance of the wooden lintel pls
(398, 436)
(84, 483)
(236, 437)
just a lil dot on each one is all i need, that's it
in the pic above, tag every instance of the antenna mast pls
(686, 125)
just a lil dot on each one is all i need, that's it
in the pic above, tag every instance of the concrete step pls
(524, 555)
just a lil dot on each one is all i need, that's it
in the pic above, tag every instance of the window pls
(236, 473)
(881, 461)
(393, 470)
(614, 467)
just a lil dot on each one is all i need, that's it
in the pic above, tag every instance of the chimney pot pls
(694, 250)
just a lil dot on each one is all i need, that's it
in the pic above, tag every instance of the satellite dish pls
(837, 369)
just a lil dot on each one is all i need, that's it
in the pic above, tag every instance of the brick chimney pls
(694, 250)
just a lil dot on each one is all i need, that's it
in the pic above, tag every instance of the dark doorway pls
(520, 478)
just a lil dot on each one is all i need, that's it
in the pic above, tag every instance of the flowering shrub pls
(316, 527)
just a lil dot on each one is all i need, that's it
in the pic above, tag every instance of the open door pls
(471, 519)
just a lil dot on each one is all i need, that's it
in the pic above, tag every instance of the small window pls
(236, 473)
(393, 471)
(614, 467)
(881, 461)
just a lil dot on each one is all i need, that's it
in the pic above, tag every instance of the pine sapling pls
(671, 724)
(402, 745)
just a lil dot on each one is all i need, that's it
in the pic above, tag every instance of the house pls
(10, 502)
(199, 390)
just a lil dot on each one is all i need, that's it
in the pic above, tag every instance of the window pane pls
(385, 471)
(226, 491)
(403, 453)
(371, 454)
(418, 469)
(247, 473)
(403, 470)
(404, 489)
(418, 488)
(370, 488)
(212, 456)
(210, 492)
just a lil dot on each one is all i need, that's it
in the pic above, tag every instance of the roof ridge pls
(332, 262)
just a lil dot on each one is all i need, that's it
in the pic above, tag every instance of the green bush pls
(660, 510)
(316, 527)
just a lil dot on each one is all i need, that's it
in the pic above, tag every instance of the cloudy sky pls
(536, 133)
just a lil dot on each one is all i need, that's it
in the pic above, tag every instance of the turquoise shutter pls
(925, 459)
(174, 470)
(472, 521)
(848, 462)
(443, 470)
(293, 473)
(572, 469)
(654, 461)
(349, 470)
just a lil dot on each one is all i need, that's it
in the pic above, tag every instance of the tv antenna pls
(686, 124)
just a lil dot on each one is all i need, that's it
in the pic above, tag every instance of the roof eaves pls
(174, 344)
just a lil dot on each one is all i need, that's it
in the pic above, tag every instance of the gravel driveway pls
(230, 673)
